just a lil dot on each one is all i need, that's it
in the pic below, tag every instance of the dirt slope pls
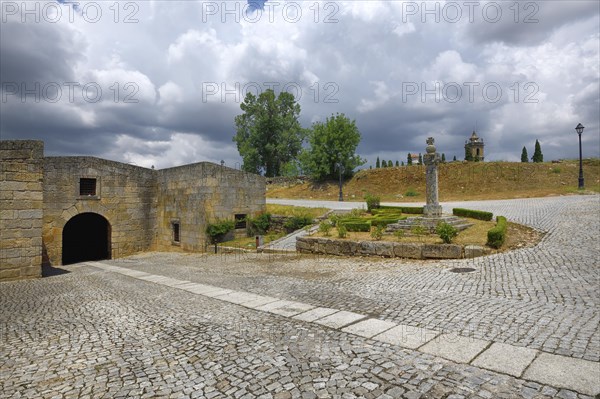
(458, 181)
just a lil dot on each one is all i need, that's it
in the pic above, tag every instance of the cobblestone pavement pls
(93, 333)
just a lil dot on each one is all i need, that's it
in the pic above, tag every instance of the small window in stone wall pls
(87, 187)
(240, 221)
(176, 237)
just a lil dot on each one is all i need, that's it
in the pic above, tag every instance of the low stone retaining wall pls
(329, 246)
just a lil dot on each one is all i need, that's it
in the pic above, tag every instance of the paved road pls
(95, 332)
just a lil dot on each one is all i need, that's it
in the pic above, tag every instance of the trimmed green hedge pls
(497, 235)
(385, 212)
(356, 226)
(471, 213)
(413, 210)
(383, 221)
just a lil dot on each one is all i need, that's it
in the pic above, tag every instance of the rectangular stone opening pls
(240, 221)
(87, 186)
(176, 236)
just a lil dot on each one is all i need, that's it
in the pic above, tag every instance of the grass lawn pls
(289, 210)
(250, 242)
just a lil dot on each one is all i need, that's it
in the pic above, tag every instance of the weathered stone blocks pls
(21, 195)
(442, 251)
(474, 251)
(408, 250)
(330, 246)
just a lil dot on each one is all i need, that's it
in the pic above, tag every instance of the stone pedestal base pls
(428, 222)
(432, 210)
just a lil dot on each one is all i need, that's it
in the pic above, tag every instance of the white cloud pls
(177, 149)
(356, 65)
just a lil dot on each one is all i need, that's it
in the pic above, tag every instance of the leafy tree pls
(402, 163)
(268, 133)
(390, 164)
(377, 164)
(409, 159)
(420, 159)
(537, 153)
(468, 155)
(524, 156)
(443, 157)
(384, 164)
(454, 159)
(291, 169)
(397, 163)
(332, 142)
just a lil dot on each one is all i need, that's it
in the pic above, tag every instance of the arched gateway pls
(86, 237)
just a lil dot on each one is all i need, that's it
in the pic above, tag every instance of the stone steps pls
(429, 223)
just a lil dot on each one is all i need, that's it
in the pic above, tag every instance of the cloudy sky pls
(160, 82)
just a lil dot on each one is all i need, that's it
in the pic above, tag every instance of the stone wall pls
(21, 201)
(126, 197)
(135, 206)
(328, 246)
(197, 194)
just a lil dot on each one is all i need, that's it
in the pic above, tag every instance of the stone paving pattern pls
(93, 333)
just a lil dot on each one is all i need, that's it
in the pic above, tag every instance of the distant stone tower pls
(474, 146)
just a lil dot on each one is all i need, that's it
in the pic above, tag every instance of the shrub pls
(474, 214)
(259, 224)
(356, 226)
(325, 228)
(334, 219)
(342, 231)
(216, 231)
(399, 233)
(373, 202)
(446, 232)
(411, 193)
(497, 234)
(377, 232)
(297, 222)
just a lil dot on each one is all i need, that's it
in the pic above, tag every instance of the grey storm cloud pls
(172, 78)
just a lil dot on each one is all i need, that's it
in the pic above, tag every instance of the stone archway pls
(86, 236)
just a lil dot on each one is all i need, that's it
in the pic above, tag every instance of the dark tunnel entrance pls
(86, 237)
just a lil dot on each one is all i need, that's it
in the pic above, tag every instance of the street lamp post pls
(341, 170)
(579, 130)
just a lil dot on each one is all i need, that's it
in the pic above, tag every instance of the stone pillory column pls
(431, 160)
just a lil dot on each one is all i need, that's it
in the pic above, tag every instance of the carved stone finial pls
(430, 147)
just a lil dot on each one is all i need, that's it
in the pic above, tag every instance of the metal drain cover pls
(462, 270)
